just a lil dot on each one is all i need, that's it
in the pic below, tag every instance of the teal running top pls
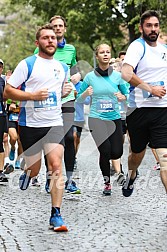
(104, 104)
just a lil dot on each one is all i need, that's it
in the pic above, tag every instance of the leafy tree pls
(88, 21)
(18, 37)
(91, 22)
(134, 8)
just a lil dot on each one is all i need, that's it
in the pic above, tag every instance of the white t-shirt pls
(45, 73)
(151, 67)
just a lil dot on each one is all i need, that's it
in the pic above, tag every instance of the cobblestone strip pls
(8, 240)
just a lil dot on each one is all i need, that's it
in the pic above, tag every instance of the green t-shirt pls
(67, 55)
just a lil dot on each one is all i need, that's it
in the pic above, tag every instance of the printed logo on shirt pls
(56, 73)
(164, 56)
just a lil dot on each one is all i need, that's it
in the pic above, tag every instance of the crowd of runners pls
(42, 111)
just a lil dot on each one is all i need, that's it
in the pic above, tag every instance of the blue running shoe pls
(57, 223)
(12, 155)
(72, 188)
(47, 188)
(24, 181)
(17, 164)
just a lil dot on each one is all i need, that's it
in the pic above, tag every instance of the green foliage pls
(19, 36)
(89, 23)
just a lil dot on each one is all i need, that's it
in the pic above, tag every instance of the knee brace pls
(162, 155)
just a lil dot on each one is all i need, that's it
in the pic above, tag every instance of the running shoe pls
(17, 164)
(35, 182)
(3, 178)
(72, 188)
(47, 188)
(24, 181)
(107, 189)
(127, 188)
(8, 169)
(5, 165)
(57, 223)
(157, 166)
(12, 155)
(121, 179)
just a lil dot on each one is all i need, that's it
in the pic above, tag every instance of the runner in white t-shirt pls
(38, 82)
(145, 68)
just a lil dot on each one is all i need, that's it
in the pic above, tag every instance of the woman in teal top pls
(106, 88)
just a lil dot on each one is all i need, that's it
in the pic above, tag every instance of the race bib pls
(13, 117)
(156, 83)
(104, 106)
(48, 104)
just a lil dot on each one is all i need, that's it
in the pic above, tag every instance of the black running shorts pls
(33, 139)
(147, 126)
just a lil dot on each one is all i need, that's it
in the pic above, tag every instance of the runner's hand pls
(40, 95)
(89, 91)
(75, 78)
(120, 96)
(67, 88)
(159, 91)
(12, 106)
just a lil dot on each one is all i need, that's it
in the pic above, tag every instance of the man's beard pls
(150, 39)
(46, 51)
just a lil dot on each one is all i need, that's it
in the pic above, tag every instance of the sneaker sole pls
(4, 182)
(75, 192)
(127, 192)
(59, 229)
(9, 169)
(107, 193)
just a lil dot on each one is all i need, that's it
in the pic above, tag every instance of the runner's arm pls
(17, 94)
(129, 76)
